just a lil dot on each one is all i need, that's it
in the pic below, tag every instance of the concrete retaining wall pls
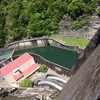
(39, 42)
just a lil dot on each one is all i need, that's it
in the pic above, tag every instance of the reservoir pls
(57, 55)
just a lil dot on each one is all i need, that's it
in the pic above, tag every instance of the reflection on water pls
(57, 55)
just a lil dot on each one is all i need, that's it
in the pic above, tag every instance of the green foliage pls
(91, 6)
(26, 83)
(98, 2)
(79, 7)
(86, 1)
(76, 8)
(78, 25)
(43, 68)
(2, 25)
(35, 18)
(2, 38)
(98, 12)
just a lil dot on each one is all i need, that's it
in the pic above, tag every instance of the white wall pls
(10, 78)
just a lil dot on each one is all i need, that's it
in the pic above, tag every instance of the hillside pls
(34, 18)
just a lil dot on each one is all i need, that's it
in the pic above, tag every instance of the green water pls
(57, 55)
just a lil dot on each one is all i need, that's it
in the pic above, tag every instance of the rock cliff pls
(93, 23)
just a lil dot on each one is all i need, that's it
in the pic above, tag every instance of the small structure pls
(19, 69)
(6, 58)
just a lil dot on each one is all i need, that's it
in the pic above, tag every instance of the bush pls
(98, 12)
(26, 83)
(78, 25)
(76, 8)
(43, 68)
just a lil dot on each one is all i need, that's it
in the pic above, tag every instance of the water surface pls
(57, 55)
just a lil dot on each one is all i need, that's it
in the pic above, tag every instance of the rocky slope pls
(86, 32)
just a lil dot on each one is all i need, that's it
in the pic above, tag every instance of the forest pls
(35, 18)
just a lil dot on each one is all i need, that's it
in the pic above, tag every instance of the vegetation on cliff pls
(35, 18)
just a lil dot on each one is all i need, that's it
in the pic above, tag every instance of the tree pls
(98, 12)
(35, 18)
(86, 1)
(76, 8)
(93, 4)
(43, 68)
(2, 25)
(78, 25)
(26, 83)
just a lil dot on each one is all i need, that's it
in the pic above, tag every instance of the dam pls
(47, 48)
(55, 55)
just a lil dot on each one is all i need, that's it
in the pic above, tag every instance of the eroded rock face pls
(87, 32)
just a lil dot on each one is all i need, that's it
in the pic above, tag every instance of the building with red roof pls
(19, 69)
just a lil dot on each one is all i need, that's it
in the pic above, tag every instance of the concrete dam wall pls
(95, 41)
(85, 83)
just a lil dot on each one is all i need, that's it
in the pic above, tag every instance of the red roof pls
(28, 71)
(15, 64)
(16, 77)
